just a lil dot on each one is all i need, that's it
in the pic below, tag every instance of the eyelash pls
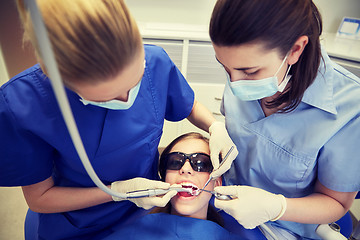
(247, 74)
(250, 74)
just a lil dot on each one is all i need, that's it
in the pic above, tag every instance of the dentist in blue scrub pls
(293, 114)
(120, 92)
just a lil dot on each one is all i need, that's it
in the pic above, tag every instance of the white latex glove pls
(253, 206)
(220, 142)
(143, 184)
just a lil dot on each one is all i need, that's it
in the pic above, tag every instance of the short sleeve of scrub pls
(339, 162)
(174, 89)
(25, 158)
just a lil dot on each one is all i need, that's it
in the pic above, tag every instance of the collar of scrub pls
(320, 93)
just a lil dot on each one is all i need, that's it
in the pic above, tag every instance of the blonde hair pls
(92, 40)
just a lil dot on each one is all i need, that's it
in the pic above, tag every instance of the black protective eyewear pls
(200, 162)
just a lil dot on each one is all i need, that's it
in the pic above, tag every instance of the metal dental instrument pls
(154, 192)
(210, 178)
(220, 196)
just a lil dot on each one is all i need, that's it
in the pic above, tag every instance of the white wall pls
(172, 11)
(333, 11)
(199, 11)
(3, 72)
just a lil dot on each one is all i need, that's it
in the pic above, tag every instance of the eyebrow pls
(239, 69)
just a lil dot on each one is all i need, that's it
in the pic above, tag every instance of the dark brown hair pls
(212, 214)
(277, 24)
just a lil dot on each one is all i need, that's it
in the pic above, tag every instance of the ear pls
(218, 182)
(297, 49)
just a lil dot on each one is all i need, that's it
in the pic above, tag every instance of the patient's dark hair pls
(212, 214)
(277, 24)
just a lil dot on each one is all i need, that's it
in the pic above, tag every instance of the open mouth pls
(193, 189)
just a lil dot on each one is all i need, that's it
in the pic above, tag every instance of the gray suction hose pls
(52, 70)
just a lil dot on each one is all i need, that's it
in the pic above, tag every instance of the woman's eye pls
(251, 73)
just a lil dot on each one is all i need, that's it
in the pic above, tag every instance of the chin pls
(190, 208)
(185, 211)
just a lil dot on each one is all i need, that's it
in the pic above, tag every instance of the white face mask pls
(249, 90)
(117, 104)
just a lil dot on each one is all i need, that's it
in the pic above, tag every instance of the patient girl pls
(186, 161)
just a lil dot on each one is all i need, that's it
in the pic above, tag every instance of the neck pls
(269, 111)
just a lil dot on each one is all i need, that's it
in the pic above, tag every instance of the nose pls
(186, 168)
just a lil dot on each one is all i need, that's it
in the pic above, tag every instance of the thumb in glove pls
(220, 144)
(136, 184)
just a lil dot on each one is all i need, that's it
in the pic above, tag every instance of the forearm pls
(323, 206)
(201, 117)
(52, 199)
(316, 208)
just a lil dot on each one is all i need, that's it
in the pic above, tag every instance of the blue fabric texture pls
(165, 226)
(121, 144)
(286, 153)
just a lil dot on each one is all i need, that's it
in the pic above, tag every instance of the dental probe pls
(210, 178)
(154, 192)
(221, 196)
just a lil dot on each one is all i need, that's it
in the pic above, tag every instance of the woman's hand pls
(143, 184)
(253, 206)
(220, 143)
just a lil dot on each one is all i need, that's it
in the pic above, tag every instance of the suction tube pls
(58, 87)
(329, 232)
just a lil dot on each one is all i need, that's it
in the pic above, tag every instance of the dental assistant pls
(293, 114)
(120, 92)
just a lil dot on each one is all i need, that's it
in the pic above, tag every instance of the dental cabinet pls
(345, 52)
(190, 48)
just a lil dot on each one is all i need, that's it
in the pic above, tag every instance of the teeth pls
(189, 185)
(193, 187)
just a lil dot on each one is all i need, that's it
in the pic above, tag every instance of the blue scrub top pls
(121, 144)
(287, 153)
